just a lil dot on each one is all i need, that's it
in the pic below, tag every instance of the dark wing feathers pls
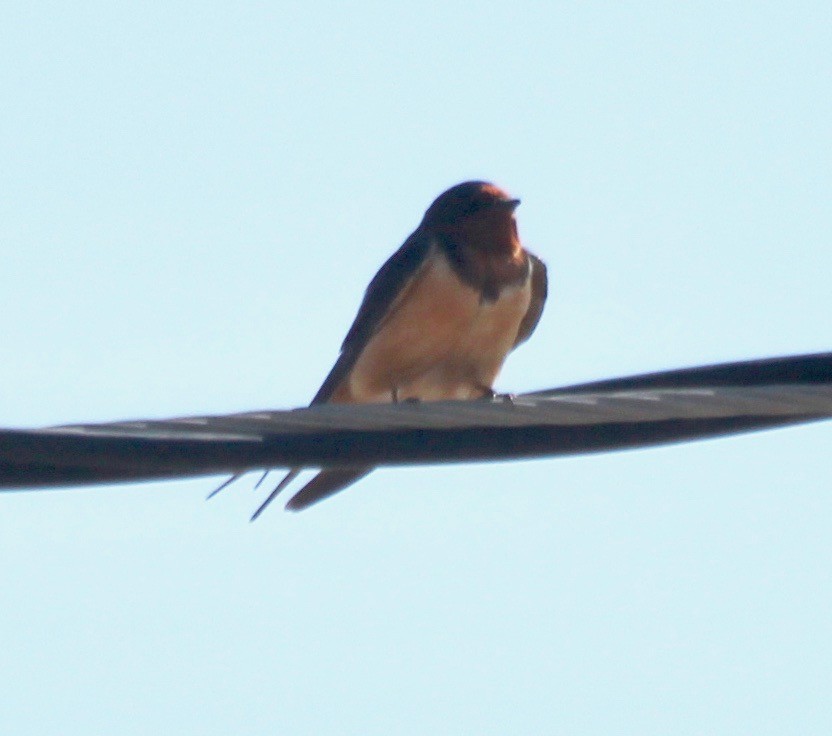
(325, 484)
(380, 296)
(540, 288)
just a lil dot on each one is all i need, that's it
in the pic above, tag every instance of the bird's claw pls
(497, 398)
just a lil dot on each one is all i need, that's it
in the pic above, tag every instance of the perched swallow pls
(438, 319)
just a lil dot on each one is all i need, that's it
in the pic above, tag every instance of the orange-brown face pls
(476, 215)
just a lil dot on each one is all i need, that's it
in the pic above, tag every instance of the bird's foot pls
(489, 394)
(394, 395)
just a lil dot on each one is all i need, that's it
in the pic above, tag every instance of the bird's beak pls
(509, 204)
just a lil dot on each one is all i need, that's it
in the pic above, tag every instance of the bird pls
(438, 319)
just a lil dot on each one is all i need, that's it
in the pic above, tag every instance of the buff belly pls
(440, 341)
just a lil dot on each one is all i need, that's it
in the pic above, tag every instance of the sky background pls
(193, 198)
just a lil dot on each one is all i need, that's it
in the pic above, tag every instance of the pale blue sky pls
(194, 198)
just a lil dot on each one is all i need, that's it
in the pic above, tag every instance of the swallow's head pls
(472, 207)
